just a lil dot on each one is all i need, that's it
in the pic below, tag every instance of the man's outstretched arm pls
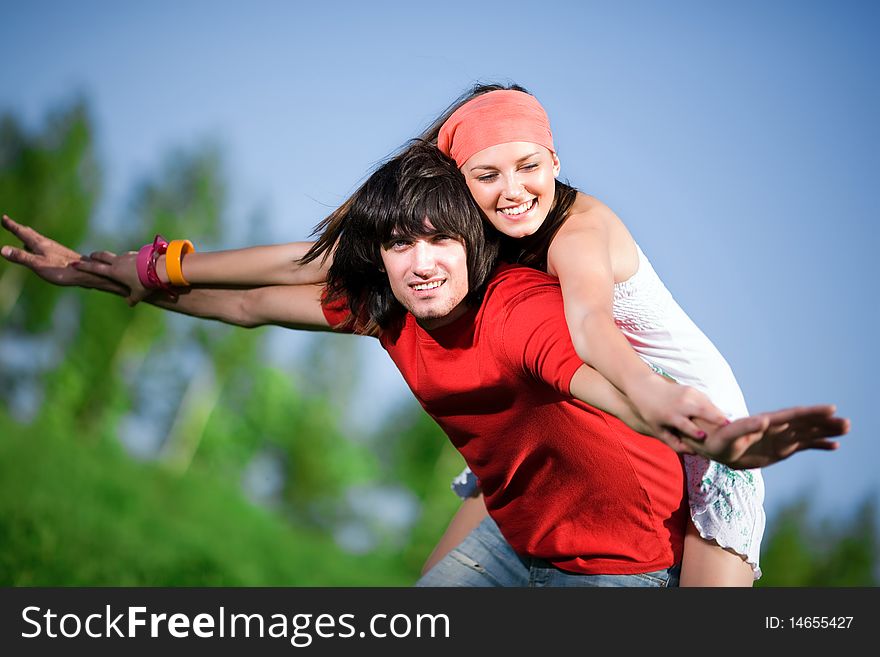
(761, 440)
(750, 442)
(290, 306)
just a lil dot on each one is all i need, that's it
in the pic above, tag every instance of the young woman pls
(622, 319)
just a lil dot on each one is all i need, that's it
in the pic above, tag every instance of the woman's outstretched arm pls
(580, 255)
(278, 264)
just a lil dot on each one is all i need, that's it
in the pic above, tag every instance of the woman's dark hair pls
(531, 251)
(416, 193)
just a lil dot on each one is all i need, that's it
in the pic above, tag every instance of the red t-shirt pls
(564, 481)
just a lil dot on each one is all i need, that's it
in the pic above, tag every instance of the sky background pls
(737, 141)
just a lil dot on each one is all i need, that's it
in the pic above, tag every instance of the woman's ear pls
(556, 164)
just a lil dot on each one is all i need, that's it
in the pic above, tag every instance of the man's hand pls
(761, 440)
(52, 261)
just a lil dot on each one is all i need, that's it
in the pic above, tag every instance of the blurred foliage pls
(420, 456)
(78, 511)
(801, 550)
(187, 197)
(81, 374)
(52, 178)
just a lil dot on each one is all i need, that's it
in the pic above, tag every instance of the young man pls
(580, 498)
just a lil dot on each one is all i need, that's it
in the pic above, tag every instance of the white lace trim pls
(727, 507)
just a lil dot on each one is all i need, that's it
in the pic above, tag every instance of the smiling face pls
(514, 184)
(428, 276)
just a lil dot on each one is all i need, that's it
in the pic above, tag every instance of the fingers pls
(34, 242)
(10, 225)
(677, 443)
(28, 236)
(107, 282)
(18, 256)
(741, 445)
(804, 418)
(824, 445)
(825, 429)
(731, 442)
(710, 413)
(693, 403)
(789, 414)
(691, 446)
(834, 426)
(102, 256)
(820, 445)
(812, 428)
(694, 415)
(686, 427)
(745, 426)
(93, 267)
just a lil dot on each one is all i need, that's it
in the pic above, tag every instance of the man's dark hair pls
(417, 193)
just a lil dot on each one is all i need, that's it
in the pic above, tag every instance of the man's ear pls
(556, 164)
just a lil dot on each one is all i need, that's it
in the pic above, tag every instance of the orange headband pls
(494, 118)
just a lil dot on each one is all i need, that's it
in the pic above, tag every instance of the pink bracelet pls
(147, 257)
(143, 259)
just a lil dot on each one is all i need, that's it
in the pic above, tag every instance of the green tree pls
(74, 507)
(417, 453)
(51, 177)
(801, 550)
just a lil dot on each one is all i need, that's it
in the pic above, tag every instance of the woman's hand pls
(669, 410)
(120, 268)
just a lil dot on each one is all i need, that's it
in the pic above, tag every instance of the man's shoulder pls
(510, 283)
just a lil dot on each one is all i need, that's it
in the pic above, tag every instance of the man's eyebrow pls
(522, 159)
(396, 236)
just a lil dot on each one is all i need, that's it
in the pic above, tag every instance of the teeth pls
(519, 209)
(428, 286)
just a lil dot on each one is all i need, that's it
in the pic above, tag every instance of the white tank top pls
(663, 335)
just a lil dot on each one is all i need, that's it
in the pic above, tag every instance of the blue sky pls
(738, 142)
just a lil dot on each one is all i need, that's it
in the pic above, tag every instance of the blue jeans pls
(484, 559)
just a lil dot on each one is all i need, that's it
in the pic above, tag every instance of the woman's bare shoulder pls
(588, 211)
(591, 217)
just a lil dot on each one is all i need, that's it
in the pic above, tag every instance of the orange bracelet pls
(174, 261)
